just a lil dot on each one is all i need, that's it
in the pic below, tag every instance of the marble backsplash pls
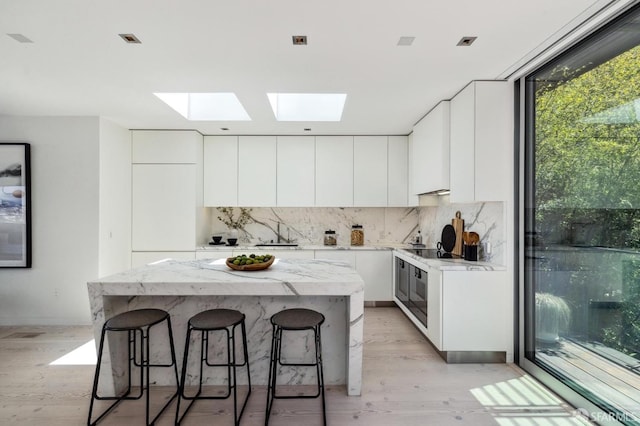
(306, 226)
(390, 225)
(487, 219)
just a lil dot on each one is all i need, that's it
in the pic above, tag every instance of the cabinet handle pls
(417, 273)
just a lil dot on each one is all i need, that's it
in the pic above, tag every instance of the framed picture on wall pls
(15, 205)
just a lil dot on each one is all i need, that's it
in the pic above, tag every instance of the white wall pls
(65, 187)
(115, 199)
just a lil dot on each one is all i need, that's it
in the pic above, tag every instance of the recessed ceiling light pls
(406, 41)
(299, 40)
(20, 38)
(307, 106)
(466, 41)
(206, 106)
(130, 38)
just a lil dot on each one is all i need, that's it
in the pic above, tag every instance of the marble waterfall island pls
(184, 288)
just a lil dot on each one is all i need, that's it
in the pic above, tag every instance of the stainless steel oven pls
(418, 294)
(402, 281)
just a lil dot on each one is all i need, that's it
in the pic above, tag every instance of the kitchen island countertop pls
(187, 287)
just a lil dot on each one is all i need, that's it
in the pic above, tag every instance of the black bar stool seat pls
(295, 319)
(137, 323)
(205, 322)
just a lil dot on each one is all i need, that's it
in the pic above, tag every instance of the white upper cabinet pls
(370, 171)
(220, 171)
(412, 197)
(334, 171)
(397, 171)
(166, 147)
(482, 142)
(296, 171)
(164, 205)
(257, 171)
(430, 151)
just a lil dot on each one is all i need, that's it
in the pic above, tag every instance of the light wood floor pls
(404, 383)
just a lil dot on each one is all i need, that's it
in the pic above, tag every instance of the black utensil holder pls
(471, 253)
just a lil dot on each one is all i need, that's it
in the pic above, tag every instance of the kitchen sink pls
(277, 245)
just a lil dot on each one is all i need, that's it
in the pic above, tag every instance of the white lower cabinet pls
(141, 258)
(467, 311)
(434, 306)
(475, 311)
(375, 268)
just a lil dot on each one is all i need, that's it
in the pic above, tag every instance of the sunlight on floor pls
(83, 355)
(524, 402)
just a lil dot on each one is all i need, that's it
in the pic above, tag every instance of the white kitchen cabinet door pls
(141, 258)
(430, 155)
(257, 171)
(434, 304)
(334, 171)
(476, 308)
(166, 146)
(482, 142)
(164, 207)
(296, 177)
(493, 160)
(220, 171)
(462, 172)
(412, 198)
(397, 171)
(376, 267)
(370, 171)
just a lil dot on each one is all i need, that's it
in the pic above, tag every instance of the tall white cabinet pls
(481, 142)
(167, 205)
(430, 151)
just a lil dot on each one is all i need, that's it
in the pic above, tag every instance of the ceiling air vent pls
(406, 41)
(130, 38)
(299, 40)
(466, 41)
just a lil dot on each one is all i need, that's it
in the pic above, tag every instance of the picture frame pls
(15, 205)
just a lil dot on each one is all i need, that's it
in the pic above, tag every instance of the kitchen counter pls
(249, 248)
(185, 288)
(445, 264)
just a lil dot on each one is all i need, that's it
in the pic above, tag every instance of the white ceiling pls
(78, 65)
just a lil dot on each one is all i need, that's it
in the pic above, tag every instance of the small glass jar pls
(357, 235)
(330, 238)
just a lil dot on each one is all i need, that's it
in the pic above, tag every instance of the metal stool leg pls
(144, 363)
(231, 364)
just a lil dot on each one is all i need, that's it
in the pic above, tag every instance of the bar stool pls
(208, 321)
(137, 324)
(294, 320)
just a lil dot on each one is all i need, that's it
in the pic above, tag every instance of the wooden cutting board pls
(458, 224)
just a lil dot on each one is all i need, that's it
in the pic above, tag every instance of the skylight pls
(307, 106)
(206, 106)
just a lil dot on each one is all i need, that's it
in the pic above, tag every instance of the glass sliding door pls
(582, 220)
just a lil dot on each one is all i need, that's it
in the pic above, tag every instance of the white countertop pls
(222, 247)
(284, 277)
(445, 264)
